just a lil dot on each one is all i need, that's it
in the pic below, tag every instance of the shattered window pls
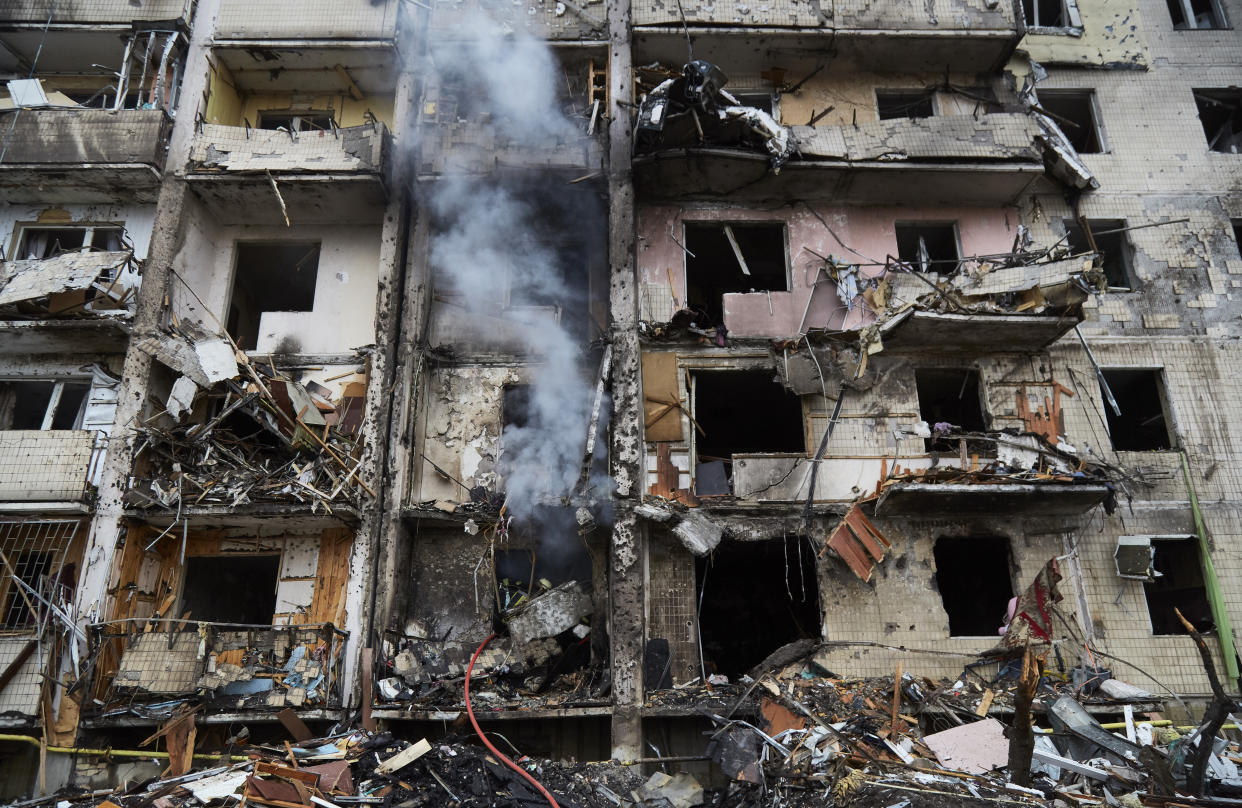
(270, 277)
(302, 121)
(36, 243)
(1220, 112)
(1047, 13)
(974, 577)
(42, 404)
(36, 549)
(904, 104)
(745, 412)
(1075, 113)
(756, 597)
(928, 246)
(1143, 423)
(1188, 14)
(950, 401)
(1178, 585)
(231, 588)
(723, 258)
(1111, 243)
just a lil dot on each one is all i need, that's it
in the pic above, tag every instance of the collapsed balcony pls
(271, 176)
(147, 669)
(267, 441)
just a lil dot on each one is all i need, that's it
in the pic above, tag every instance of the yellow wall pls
(223, 101)
(231, 107)
(1112, 36)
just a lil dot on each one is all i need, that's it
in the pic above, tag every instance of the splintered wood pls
(858, 543)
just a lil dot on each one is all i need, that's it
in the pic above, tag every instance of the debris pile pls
(249, 433)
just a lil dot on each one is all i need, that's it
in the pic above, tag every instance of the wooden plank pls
(296, 726)
(660, 389)
(404, 758)
(851, 553)
(985, 703)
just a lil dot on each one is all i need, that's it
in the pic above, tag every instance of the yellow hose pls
(74, 750)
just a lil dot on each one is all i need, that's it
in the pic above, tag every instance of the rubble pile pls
(259, 436)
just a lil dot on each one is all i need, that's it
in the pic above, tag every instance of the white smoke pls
(495, 230)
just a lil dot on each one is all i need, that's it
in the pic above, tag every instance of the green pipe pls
(1216, 599)
(74, 750)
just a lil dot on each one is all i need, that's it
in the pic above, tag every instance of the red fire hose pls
(470, 712)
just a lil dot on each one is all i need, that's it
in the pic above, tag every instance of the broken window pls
(1236, 224)
(515, 405)
(34, 243)
(302, 121)
(1143, 424)
(1178, 585)
(723, 258)
(33, 568)
(270, 277)
(1051, 13)
(745, 412)
(766, 101)
(891, 104)
(1188, 14)
(975, 580)
(42, 404)
(1110, 242)
(756, 596)
(928, 246)
(951, 396)
(1220, 112)
(1075, 112)
(231, 588)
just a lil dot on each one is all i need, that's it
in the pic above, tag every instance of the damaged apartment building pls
(596, 352)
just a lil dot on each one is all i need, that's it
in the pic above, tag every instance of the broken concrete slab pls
(699, 534)
(976, 748)
(207, 359)
(26, 280)
(549, 614)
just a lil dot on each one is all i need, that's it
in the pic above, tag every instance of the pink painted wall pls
(868, 231)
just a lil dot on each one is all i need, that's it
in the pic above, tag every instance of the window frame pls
(1166, 407)
(22, 230)
(1069, 12)
(58, 390)
(1093, 104)
(1193, 541)
(1127, 248)
(957, 241)
(1218, 11)
(930, 94)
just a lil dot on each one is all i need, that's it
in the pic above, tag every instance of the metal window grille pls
(34, 552)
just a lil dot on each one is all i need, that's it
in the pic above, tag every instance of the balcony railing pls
(63, 137)
(96, 12)
(313, 19)
(46, 465)
(225, 666)
(241, 149)
(956, 17)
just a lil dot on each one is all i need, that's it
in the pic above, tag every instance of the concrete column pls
(372, 531)
(165, 240)
(626, 627)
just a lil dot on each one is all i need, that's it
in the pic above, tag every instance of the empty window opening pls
(1236, 224)
(1045, 13)
(928, 247)
(1220, 112)
(975, 581)
(891, 104)
(270, 277)
(758, 100)
(757, 596)
(231, 588)
(515, 405)
(732, 258)
(42, 404)
(745, 412)
(1110, 242)
(36, 243)
(1143, 424)
(1188, 14)
(304, 121)
(1178, 585)
(1074, 112)
(951, 396)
